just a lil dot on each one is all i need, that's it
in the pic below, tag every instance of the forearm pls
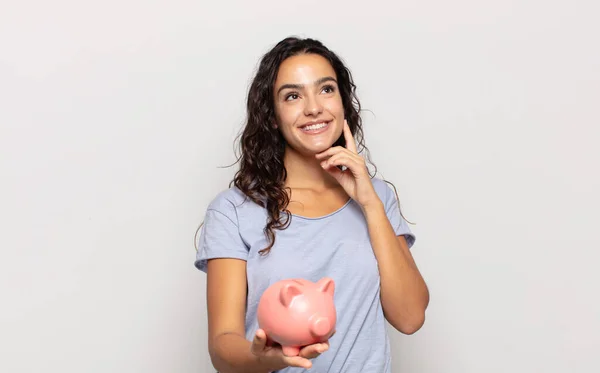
(231, 353)
(404, 294)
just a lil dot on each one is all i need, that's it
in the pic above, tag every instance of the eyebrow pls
(301, 86)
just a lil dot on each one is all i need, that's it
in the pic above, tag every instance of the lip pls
(320, 130)
(315, 122)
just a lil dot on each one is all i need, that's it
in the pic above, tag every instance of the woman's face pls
(308, 105)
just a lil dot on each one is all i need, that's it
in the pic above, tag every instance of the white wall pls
(116, 115)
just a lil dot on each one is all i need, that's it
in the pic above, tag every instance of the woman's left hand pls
(355, 179)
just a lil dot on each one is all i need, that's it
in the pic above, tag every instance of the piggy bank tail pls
(320, 327)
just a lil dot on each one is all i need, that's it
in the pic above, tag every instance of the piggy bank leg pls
(290, 350)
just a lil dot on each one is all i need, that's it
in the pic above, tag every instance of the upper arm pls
(226, 297)
(222, 254)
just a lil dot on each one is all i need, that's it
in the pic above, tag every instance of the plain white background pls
(115, 117)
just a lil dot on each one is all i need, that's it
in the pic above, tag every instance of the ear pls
(326, 285)
(287, 293)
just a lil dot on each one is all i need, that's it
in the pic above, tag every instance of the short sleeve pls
(399, 224)
(219, 238)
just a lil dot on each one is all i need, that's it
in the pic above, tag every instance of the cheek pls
(284, 122)
(335, 106)
(287, 117)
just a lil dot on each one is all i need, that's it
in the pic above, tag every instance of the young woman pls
(304, 205)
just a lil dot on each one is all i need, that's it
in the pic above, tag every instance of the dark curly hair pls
(262, 174)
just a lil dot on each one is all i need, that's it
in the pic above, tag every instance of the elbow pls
(219, 363)
(407, 320)
(408, 325)
(412, 326)
(215, 353)
(215, 359)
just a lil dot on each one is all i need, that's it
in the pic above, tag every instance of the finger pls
(313, 351)
(350, 143)
(298, 361)
(338, 151)
(341, 159)
(335, 172)
(331, 151)
(259, 342)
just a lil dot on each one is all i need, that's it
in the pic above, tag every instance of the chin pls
(313, 149)
(308, 150)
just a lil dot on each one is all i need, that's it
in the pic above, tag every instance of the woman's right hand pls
(274, 354)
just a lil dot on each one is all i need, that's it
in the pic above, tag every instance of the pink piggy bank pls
(297, 312)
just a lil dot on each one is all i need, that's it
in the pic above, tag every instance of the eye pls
(292, 96)
(329, 88)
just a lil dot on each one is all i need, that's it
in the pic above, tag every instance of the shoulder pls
(389, 197)
(383, 189)
(220, 233)
(230, 202)
(226, 199)
(379, 184)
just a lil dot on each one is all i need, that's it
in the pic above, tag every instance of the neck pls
(306, 172)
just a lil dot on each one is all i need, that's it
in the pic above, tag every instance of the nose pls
(313, 106)
(320, 327)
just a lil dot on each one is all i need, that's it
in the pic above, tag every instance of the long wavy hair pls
(261, 175)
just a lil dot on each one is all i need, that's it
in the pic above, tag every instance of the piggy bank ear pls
(287, 293)
(326, 285)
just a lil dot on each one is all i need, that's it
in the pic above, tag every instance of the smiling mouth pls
(315, 127)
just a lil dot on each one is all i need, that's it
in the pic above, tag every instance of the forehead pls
(304, 69)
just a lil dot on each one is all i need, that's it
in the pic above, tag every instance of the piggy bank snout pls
(320, 327)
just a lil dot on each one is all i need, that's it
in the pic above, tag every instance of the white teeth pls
(314, 127)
